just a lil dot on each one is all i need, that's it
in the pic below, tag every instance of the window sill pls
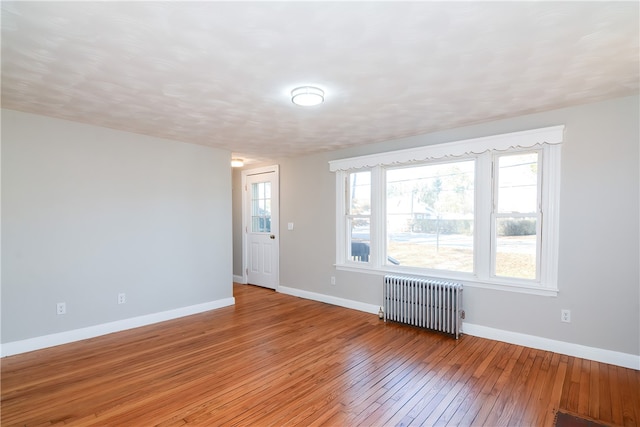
(466, 281)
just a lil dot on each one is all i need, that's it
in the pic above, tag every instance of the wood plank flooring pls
(278, 360)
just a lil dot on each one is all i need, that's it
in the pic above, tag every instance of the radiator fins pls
(423, 302)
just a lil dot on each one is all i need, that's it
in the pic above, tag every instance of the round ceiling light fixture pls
(237, 163)
(307, 96)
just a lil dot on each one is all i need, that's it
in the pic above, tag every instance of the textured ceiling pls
(220, 73)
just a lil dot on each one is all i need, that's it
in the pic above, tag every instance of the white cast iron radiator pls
(424, 302)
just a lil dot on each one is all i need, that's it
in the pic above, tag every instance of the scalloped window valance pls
(525, 139)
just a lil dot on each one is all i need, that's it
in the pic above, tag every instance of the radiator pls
(424, 302)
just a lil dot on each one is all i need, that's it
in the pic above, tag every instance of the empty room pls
(320, 213)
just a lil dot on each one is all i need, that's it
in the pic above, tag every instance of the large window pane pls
(430, 216)
(518, 183)
(516, 239)
(360, 230)
(516, 248)
(359, 193)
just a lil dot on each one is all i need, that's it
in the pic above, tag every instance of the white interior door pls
(261, 204)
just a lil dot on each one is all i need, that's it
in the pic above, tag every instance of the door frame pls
(246, 219)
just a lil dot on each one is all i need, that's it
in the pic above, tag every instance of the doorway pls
(261, 220)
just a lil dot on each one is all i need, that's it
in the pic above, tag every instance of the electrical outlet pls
(61, 308)
(333, 280)
(565, 316)
(122, 298)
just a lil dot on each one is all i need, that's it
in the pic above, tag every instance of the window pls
(429, 215)
(483, 211)
(358, 215)
(261, 207)
(516, 216)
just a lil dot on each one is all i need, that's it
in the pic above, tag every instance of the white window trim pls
(549, 139)
(525, 139)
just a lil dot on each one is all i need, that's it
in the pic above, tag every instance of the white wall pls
(89, 212)
(599, 277)
(237, 222)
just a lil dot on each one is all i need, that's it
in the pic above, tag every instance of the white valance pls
(524, 139)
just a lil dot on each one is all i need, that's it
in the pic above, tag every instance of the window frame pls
(485, 151)
(496, 214)
(349, 217)
(383, 192)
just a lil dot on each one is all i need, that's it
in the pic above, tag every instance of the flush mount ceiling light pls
(307, 96)
(237, 163)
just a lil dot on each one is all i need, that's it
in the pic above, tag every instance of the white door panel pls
(261, 227)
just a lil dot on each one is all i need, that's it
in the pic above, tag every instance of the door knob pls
(272, 237)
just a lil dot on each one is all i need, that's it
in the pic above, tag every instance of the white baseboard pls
(37, 343)
(591, 353)
(342, 302)
(238, 279)
(576, 350)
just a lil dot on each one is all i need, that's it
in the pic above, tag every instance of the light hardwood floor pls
(274, 359)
